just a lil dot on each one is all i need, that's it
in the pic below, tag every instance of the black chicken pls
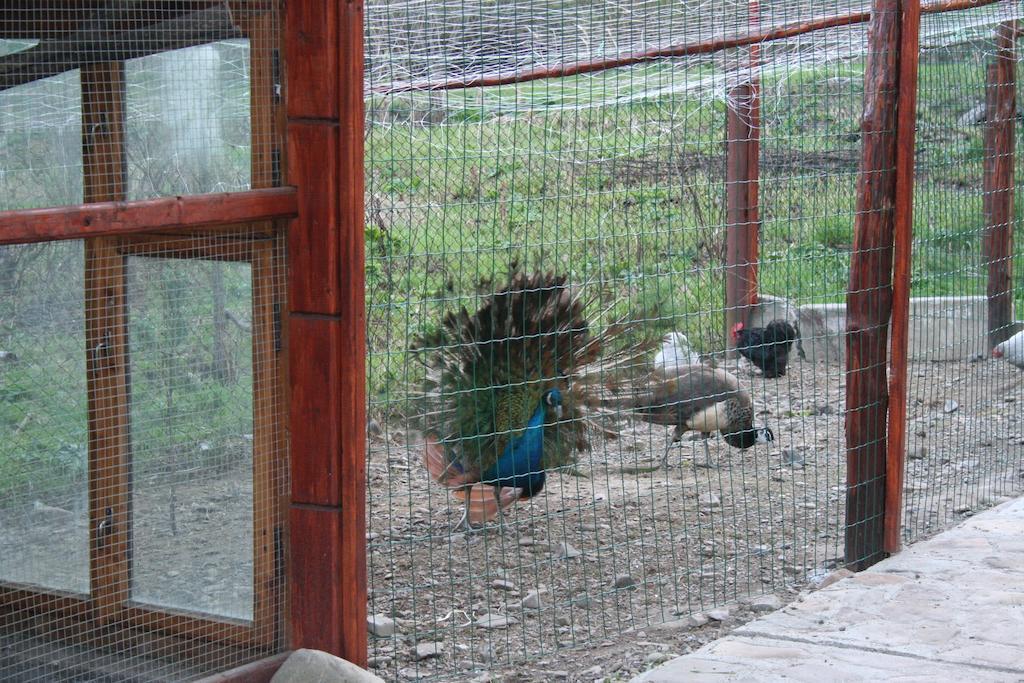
(766, 347)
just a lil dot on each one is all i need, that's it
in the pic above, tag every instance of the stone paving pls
(950, 608)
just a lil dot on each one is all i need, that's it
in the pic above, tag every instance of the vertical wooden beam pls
(270, 443)
(754, 158)
(1000, 120)
(324, 100)
(903, 215)
(743, 225)
(869, 297)
(740, 205)
(104, 167)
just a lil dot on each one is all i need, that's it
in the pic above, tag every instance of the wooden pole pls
(326, 327)
(103, 180)
(998, 179)
(742, 164)
(740, 230)
(903, 214)
(869, 297)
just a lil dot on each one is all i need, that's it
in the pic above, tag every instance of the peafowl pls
(508, 389)
(701, 399)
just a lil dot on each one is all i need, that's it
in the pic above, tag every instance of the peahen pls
(701, 399)
(508, 389)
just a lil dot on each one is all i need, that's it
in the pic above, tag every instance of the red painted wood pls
(740, 207)
(311, 59)
(352, 362)
(315, 571)
(869, 298)
(703, 47)
(314, 278)
(260, 671)
(314, 362)
(903, 215)
(998, 183)
(147, 215)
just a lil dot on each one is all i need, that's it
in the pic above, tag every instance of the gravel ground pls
(575, 578)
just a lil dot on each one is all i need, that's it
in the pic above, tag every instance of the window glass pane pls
(44, 515)
(190, 345)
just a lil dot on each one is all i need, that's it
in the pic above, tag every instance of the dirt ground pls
(611, 549)
(649, 546)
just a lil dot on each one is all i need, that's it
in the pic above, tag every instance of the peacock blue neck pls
(519, 465)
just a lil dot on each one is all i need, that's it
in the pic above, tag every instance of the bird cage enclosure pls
(685, 167)
(482, 338)
(146, 493)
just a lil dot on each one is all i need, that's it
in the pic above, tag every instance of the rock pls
(720, 614)
(822, 409)
(380, 626)
(562, 619)
(592, 672)
(428, 650)
(373, 428)
(502, 585)
(972, 116)
(792, 458)
(657, 657)
(765, 603)
(491, 620)
(623, 581)
(565, 550)
(835, 577)
(950, 406)
(962, 509)
(532, 600)
(378, 662)
(917, 453)
(527, 541)
(305, 665)
(698, 619)
(709, 499)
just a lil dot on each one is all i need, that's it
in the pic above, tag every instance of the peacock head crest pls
(553, 400)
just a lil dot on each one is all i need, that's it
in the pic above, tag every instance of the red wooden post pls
(326, 333)
(1000, 119)
(869, 298)
(742, 166)
(903, 214)
(740, 286)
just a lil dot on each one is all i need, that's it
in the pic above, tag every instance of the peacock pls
(508, 389)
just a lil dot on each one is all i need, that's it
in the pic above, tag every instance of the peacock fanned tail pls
(487, 370)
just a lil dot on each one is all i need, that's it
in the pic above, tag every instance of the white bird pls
(675, 353)
(1012, 350)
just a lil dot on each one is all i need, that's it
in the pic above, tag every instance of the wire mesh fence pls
(489, 147)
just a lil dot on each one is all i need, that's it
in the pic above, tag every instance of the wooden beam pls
(998, 183)
(869, 297)
(115, 32)
(903, 217)
(109, 218)
(324, 102)
(106, 335)
(740, 282)
(260, 671)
